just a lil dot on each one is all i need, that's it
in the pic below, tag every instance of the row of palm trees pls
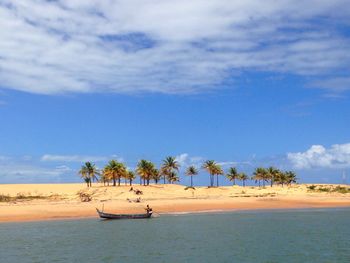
(263, 175)
(115, 171)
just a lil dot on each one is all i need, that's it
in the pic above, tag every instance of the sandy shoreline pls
(61, 201)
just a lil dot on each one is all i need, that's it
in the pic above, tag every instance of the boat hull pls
(104, 215)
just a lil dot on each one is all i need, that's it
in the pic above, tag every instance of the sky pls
(246, 83)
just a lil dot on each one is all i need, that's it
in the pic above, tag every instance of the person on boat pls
(148, 209)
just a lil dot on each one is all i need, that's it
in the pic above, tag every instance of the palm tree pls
(191, 171)
(173, 177)
(243, 177)
(115, 170)
(232, 175)
(105, 178)
(108, 174)
(156, 175)
(130, 176)
(84, 174)
(163, 172)
(260, 174)
(89, 173)
(218, 171)
(273, 174)
(145, 169)
(291, 177)
(210, 166)
(142, 170)
(282, 178)
(169, 165)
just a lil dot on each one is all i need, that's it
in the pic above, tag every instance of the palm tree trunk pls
(243, 183)
(217, 180)
(191, 181)
(114, 181)
(118, 181)
(130, 182)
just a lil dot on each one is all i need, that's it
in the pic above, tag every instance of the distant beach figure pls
(138, 192)
(148, 209)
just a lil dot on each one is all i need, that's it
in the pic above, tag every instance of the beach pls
(33, 202)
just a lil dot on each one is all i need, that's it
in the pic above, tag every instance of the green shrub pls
(341, 189)
(324, 189)
(312, 187)
(5, 198)
(329, 189)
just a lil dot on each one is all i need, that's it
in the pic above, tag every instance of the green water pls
(279, 236)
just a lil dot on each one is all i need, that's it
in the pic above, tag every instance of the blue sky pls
(245, 84)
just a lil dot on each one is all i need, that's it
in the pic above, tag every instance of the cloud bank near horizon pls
(172, 47)
(78, 158)
(317, 156)
(64, 168)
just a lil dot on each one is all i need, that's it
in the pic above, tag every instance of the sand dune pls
(53, 201)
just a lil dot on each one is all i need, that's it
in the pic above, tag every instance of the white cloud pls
(47, 168)
(228, 163)
(182, 159)
(63, 168)
(338, 84)
(186, 160)
(77, 158)
(129, 46)
(19, 172)
(337, 156)
(4, 158)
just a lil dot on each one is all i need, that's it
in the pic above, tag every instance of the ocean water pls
(261, 236)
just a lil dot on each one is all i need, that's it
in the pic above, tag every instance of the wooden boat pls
(123, 216)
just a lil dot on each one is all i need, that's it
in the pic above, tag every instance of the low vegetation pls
(23, 197)
(84, 197)
(254, 195)
(329, 189)
(5, 198)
